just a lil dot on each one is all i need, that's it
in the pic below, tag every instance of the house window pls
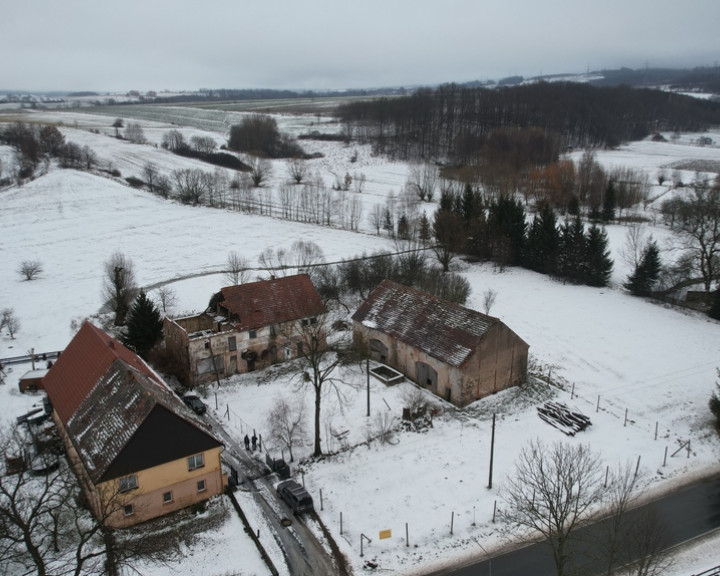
(129, 510)
(205, 365)
(232, 344)
(207, 344)
(197, 461)
(167, 497)
(202, 486)
(288, 352)
(128, 483)
(252, 333)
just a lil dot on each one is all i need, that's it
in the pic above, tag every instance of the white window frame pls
(204, 485)
(129, 510)
(194, 459)
(167, 500)
(128, 483)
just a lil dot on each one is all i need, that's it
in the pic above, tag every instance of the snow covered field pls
(610, 351)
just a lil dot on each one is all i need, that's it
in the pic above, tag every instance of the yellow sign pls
(385, 534)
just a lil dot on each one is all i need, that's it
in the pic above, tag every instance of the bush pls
(135, 182)
(714, 404)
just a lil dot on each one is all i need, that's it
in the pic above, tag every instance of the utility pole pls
(367, 371)
(492, 451)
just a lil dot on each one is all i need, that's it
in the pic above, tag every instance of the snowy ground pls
(654, 361)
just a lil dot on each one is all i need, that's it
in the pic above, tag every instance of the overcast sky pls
(333, 44)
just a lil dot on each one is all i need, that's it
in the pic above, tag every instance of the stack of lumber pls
(561, 417)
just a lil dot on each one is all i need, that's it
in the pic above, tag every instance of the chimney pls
(111, 344)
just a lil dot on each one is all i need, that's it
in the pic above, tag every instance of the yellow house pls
(137, 450)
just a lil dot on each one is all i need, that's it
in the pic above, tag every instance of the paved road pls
(687, 513)
(304, 555)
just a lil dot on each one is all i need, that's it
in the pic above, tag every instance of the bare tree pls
(119, 286)
(30, 269)
(134, 133)
(88, 157)
(238, 269)
(150, 175)
(44, 531)
(190, 185)
(10, 321)
(173, 140)
(375, 218)
(297, 170)
(552, 491)
(286, 423)
(203, 144)
(423, 180)
(636, 241)
(117, 125)
(260, 170)
(166, 298)
(489, 297)
(699, 228)
(305, 254)
(276, 262)
(318, 362)
(358, 182)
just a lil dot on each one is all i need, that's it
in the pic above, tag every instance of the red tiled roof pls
(269, 302)
(121, 403)
(442, 329)
(88, 356)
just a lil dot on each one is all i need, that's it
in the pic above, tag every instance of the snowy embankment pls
(604, 351)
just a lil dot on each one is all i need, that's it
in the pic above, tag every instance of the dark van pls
(295, 496)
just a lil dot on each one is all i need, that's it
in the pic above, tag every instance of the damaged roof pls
(441, 329)
(87, 357)
(118, 413)
(275, 301)
(130, 422)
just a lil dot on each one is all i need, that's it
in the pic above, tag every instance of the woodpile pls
(561, 417)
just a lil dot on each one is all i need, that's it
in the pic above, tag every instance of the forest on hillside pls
(529, 123)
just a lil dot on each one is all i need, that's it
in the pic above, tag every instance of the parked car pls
(295, 496)
(194, 403)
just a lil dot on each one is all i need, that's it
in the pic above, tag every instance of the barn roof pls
(442, 329)
(269, 302)
(87, 357)
(129, 422)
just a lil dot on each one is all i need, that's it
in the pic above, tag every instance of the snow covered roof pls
(269, 302)
(119, 414)
(442, 329)
(129, 422)
(86, 358)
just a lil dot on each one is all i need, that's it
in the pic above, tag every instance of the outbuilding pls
(458, 353)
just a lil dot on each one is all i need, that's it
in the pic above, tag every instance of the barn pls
(459, 354)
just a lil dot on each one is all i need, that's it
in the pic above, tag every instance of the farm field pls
(599, 350)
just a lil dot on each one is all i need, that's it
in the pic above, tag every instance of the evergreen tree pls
(646, 273)
(472, 205)
(403, 228)
(598, 264)
(425, 231)
(144, 326)
(506, 228)
(609, 203)
(543, 242)
(571, 259)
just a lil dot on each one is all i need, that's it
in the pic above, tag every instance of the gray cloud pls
(179, 44)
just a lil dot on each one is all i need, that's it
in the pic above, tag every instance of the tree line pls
(464, 124)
